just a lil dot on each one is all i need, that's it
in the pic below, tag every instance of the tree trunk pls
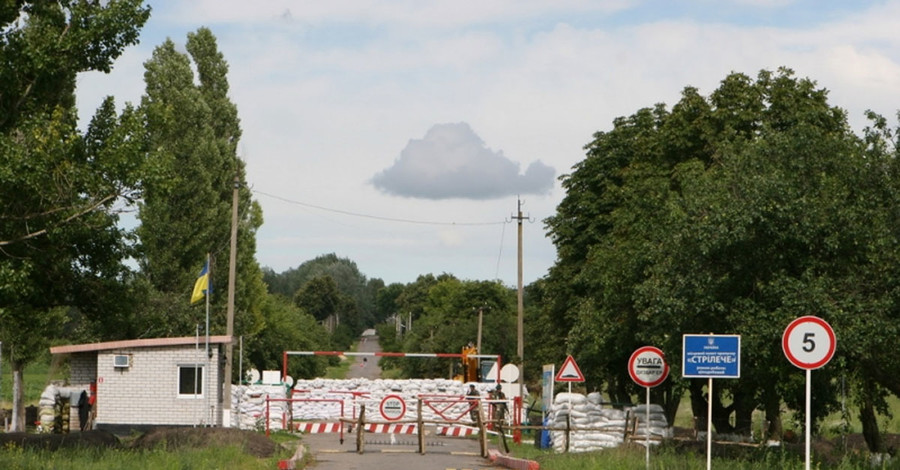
(670, 397)
(743, 412)
(618, 392)
(18, 391)
(870, 426)
(773, 416)
(698, 404)
(721, 414)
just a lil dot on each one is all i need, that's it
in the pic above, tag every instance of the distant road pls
(366, 367)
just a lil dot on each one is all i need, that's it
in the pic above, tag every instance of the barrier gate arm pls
(286, 354)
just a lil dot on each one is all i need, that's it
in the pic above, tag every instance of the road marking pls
(472, 454)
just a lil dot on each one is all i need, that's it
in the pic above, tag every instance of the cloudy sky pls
(401, 133)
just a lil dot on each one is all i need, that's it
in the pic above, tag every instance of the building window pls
(190, 380)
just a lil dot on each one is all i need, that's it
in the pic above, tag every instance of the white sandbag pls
(595, 398)
(573, 398)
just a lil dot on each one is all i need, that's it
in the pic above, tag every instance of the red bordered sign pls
(808, 342)
(647, 366)
(392, 407)
(569, 372)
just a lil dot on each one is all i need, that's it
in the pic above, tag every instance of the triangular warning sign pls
(569, 372)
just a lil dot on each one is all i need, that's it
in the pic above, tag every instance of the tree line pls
(733, 213)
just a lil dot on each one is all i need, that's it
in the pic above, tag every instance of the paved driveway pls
(381, 454)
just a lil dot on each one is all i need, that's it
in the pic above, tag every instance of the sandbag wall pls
(607, 425)
(56, 405)
(326, 395)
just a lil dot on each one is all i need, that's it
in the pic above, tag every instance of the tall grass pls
(230, 457)
(669, 458)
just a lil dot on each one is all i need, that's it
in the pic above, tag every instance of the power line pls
(375, 217)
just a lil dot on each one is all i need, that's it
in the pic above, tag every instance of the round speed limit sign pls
(808, 342)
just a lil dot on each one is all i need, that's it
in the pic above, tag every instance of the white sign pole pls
(808, 412)
(647, 427)
(709, 399)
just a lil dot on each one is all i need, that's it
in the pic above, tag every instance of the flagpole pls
(207, 392)
(208, 277)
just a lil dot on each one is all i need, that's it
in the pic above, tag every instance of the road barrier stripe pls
(318, 428)
(456, 431)
(391, 428)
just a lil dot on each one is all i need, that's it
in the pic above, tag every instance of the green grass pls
(231, 457)
(670, 458)
(339, 371)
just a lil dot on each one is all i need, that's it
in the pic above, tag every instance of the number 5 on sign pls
(808, 342)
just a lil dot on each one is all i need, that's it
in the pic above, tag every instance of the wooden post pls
(361, 429)
(482, 431)
(421, 425)
(568, 427)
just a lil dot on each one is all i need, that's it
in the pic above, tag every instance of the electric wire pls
(375, 217)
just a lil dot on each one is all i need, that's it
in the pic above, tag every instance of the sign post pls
(711, 356)
(808, 342)
(647, 367)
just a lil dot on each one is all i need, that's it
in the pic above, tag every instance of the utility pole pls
(229, 323)
(480, 317)
(520, 326)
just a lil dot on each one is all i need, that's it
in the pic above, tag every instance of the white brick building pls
(144, 383)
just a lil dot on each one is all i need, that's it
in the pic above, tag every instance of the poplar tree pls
(193, 132)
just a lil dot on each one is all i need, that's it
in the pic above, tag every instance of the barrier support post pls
(482, 432)
(421, 425)
(517, 419)
(361, 429)
(267, 416)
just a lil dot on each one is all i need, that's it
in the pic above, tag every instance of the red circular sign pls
(808, 342)
(647, 366)
(392, 407)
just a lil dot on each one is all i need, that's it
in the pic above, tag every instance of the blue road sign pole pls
(709, 390)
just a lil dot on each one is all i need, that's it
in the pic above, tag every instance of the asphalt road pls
(381, 451)
(379, 454)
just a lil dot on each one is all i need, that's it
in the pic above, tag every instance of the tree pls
(59, 189)
(348, 280)
(193, 130)
(288, 328)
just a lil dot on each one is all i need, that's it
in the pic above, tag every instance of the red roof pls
(139, 343)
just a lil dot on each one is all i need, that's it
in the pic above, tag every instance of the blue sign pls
(711, 356)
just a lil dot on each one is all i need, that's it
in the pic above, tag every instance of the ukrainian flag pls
(202, 286)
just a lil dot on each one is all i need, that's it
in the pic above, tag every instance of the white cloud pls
(451, 161)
